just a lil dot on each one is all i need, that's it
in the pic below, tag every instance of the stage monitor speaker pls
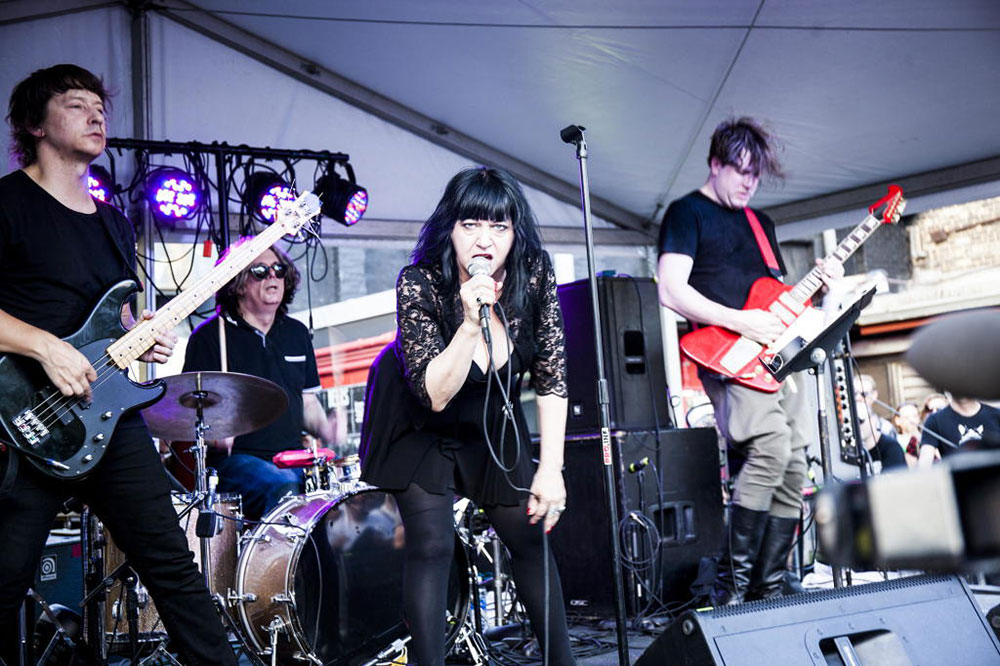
(633, 353)
(688, 516)
(915, 620)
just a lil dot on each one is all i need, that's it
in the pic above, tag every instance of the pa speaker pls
(916, 620)
(684, 505)
(632, 349)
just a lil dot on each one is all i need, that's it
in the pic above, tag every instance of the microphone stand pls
(574, 135)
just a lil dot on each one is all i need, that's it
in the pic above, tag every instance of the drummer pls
(262, 340)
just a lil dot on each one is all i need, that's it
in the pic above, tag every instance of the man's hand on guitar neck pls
(162, 349)
(758, 325)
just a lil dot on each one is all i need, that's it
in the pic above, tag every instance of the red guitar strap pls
(763, 243)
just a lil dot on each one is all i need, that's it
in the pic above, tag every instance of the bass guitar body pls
(66, 436)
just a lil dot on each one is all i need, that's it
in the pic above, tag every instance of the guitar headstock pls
(293, 215)
(890, 207)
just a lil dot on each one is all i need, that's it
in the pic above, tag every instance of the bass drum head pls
(349, 580)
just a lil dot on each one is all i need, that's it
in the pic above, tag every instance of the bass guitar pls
(746, 361)
(66, 437)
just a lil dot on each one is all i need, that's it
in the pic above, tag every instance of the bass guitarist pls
(60, 250)
(712, 248)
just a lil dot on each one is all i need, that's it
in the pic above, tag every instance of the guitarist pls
(61, 250)
(709, 258)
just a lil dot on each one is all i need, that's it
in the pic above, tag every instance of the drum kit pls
(317, 580)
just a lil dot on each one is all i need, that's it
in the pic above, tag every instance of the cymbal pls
(232, 404)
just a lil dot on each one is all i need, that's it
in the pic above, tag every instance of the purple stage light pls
(99, 183)
(271, 198)
(263, 194)
(173, 194)
(356, 207)
(343, 200)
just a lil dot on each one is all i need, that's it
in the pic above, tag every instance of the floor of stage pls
(599, 643)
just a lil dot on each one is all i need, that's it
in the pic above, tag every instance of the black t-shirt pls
(285, 356)
(57, 262)
(727, 259)
(981, 430)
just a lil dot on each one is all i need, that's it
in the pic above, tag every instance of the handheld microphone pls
(481, 266)
(638, 465)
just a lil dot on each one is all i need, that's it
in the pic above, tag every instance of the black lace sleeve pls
(548, 368)
(418, 318)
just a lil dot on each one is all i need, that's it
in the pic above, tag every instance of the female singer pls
(478, 267)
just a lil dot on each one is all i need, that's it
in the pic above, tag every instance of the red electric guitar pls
(742, 359)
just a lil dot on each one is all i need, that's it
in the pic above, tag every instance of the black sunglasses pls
(260, 271)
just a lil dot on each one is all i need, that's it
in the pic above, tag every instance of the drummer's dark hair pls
(483, 193)
(227, 299)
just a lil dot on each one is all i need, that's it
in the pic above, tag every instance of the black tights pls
(430, 543)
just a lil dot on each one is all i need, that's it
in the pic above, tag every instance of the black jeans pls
(130, 493)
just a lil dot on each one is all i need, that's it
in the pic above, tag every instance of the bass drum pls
(320, 579)
(222, 552)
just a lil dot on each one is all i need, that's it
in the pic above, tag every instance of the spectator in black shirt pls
(61, 250)
(964, 424)
(877, 434)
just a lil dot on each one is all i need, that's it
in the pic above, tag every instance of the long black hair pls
(483, 193)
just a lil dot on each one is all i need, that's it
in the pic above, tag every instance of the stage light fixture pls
(99, 183)
(265, 190)
(343, 200)
(173, 194)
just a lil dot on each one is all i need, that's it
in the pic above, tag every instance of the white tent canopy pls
(861, 93)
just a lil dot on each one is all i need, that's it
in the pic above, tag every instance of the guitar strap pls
(766, 252)
(107, 218)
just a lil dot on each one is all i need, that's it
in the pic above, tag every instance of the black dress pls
(403, 441)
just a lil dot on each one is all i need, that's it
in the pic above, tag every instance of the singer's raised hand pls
(477, 291)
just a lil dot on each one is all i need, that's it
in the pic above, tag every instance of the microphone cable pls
(507, 414)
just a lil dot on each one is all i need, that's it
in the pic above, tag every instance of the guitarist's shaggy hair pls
(735, 136)
(28, 102)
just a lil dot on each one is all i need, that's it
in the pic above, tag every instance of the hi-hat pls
(231, 403)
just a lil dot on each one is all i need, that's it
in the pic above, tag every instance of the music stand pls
(812, 356)
(790, 360)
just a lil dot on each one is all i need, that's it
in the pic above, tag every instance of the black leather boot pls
(732, 580)
(767, 579)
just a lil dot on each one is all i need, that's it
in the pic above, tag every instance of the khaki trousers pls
(771, 430)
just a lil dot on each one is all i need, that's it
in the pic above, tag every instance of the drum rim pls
(297, 635)
(291, 619)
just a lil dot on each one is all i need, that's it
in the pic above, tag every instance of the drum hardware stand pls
(209, 522)
(93, 610)
(61, 636)
(97, 597)
(813, 357)
(276, 627)
(574, 134)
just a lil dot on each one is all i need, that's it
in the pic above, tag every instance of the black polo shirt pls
(284, 355)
